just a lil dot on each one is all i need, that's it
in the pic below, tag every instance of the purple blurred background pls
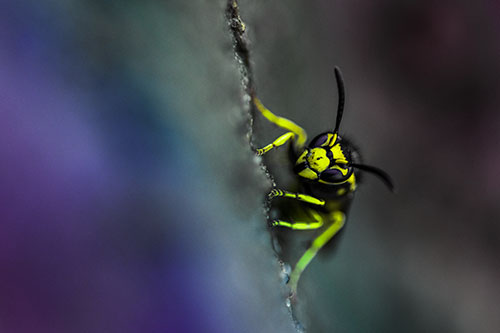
(130, 202)
(113, 217)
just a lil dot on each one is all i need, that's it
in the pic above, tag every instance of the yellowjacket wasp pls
(327, 169)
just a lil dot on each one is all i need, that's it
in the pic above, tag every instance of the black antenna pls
(384, 176)
(340, 86)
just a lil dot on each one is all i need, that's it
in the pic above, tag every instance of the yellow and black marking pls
(327, 171)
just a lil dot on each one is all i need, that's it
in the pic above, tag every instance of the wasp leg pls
(338, 222)
(282, 122)
(315, 223)
(276, 143)
(297, 196)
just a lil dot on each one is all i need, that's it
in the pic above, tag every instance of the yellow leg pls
(316, 223)
(297, 196)
(276, 143)
(338, 222)
(282, 122)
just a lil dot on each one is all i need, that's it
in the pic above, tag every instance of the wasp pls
(328, 170)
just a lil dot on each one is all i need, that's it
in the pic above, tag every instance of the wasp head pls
(325, 160)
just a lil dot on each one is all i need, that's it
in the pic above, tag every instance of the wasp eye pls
(332, 176)
(319, 140)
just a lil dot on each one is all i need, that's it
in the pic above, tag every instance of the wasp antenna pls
(384, 176)
(340, 109)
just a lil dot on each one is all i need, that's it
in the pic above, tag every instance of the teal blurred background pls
(131, 202)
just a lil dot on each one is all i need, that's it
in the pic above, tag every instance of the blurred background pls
(131, 202)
